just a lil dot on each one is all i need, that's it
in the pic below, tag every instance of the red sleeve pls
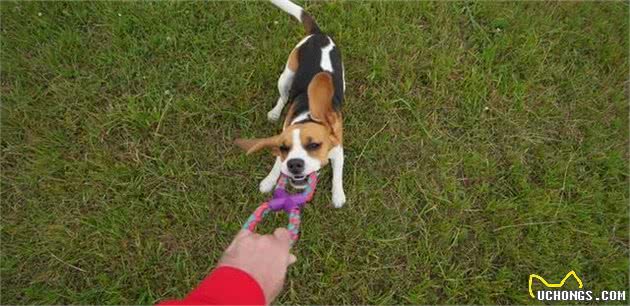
(224, 286)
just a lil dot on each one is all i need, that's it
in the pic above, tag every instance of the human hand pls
(264, 257)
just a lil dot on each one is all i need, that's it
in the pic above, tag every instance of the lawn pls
(484, 142)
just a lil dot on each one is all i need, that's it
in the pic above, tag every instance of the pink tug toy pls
(282, 200)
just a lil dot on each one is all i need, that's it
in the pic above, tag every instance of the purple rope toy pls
(282, 200)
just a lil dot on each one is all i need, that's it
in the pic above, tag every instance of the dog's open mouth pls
(298, 181)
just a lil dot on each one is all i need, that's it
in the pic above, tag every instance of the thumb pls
(282, 234)
(242, 233)
(292, 259)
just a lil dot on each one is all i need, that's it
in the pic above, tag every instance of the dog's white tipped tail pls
(289, 7)
(298, 12)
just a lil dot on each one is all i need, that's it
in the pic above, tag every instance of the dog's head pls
(304, 147)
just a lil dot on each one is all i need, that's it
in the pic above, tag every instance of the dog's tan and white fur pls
(313, 84)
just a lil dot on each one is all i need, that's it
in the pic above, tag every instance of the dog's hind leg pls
(284, 85)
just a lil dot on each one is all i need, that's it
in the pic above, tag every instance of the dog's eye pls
(313, 146)
(284, 148)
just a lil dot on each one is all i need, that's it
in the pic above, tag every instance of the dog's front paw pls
(338, 198)
(267, 185)
(273, 115)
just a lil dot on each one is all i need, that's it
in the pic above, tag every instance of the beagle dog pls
(313, 85)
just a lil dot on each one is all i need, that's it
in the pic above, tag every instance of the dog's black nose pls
(296, 165)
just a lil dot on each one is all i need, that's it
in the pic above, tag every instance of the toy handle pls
(294, 221)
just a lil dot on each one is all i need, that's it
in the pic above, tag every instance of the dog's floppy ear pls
(334, 120)
(253, 145)
(320, 93)
(320, 104)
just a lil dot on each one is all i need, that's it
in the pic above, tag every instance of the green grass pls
(484, 142)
